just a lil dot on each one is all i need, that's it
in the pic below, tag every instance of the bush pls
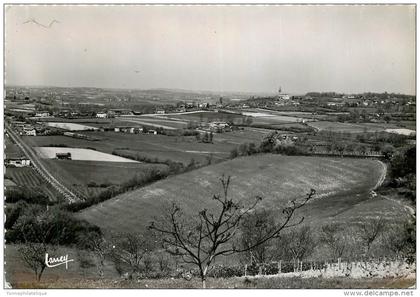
(92, 184)
(289, 150)
(222, 271)
(174, 167)
(13, 213)
(54, 226)
(16, 194)
(150, 175)
(57, 145)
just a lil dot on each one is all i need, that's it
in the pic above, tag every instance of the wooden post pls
(279, 266)
(301, 266)
(246, 268)
(339, 263)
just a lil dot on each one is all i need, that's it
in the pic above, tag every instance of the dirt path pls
(382, 177)
(411, 210)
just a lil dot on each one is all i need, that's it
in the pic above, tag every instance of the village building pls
(219, 126)
(63, 156)
(42, 114)
(152, 132)
(28, 132)
(101, 115)
(17, 162)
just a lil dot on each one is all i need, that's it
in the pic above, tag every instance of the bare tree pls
(36, 243)
(331, 235)
(163, 263)
(201, 239)
(85, 261)
(400, 239)
(252, 231)
(395, 239)
(100, 248)
(297, 244)
(33, 254)
(128, 250)
(370, 231)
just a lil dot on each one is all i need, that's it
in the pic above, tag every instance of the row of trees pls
(372, 238)
(206, 137)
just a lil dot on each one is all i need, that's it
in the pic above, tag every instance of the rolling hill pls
(342, 185)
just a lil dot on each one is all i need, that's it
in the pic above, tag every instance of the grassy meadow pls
(342, 184)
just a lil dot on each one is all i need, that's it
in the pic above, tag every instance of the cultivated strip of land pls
(40, 168)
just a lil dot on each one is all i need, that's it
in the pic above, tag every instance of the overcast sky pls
(219, 48)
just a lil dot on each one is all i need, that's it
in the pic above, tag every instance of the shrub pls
(150, 175)
(222, 271)
(16, 194)
(55, 226)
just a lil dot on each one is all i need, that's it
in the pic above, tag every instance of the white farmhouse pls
(101, 115)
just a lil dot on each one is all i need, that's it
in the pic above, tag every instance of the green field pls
(176, 148)
(27, 177)
(155, 121)
(11, 150)
(342, 186)
(209, 116)
(272, 118)
(79, 174)
(350, 127)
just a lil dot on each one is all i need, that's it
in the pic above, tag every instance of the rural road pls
(40, 168)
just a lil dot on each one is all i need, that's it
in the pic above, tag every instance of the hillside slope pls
(340, 183)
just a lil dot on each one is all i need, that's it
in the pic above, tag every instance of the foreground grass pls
(230, 283)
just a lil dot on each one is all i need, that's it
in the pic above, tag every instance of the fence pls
(364, 268)
(347, 154)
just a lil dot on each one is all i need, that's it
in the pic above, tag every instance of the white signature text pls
(53, 262)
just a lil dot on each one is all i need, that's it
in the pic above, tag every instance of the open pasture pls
(87, 178)
(92, 177)
(157, 122)
(263, 115)
(209, 116)
(79, 154)
(11, 150)
(402, 131)
(176, 148)
(349, 127)
(276, 178)
(258, 117)
(70, 126)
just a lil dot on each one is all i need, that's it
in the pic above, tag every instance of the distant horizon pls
(204, 91)
(219, 48)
